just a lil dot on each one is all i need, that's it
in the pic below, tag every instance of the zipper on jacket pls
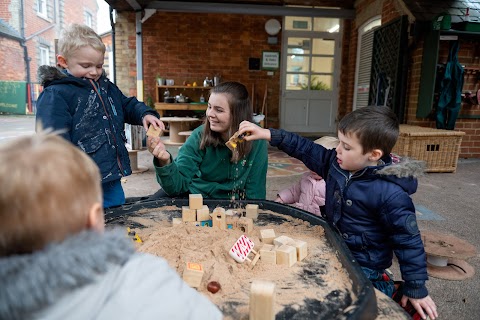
(112, 126)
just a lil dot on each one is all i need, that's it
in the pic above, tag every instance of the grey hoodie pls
(96, 276)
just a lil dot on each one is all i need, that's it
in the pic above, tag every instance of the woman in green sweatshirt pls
(204, 164)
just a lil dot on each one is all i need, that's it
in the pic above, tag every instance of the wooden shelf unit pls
(193, 93)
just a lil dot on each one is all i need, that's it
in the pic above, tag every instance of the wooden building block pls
(268, 254)
(282, 240)
(301, 247)
(193, 274)
(219, 219)
(152, 132)
(251, 211)
(177, 221)
(267, 236)
(203, 214)
(286, 255)
(262, 300)
(195, 201)
(188, 214)
(245, 225)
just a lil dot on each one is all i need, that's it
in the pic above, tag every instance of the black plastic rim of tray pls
(365, 307)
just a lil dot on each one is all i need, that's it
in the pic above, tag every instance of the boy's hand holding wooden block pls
(152, 132)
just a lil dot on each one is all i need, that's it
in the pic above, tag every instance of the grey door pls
(309, 81)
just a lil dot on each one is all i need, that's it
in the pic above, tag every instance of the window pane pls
(322, 64)
(296, 81)
(44, 55)
(321, 82)
(326, 24)
(299, 45)
(298, 23)
(324, 46)
(88, 19)
(297, 63)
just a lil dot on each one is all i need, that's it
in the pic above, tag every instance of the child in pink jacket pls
(309, 193)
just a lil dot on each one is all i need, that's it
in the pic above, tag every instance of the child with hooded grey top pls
(56, 260)
(368, 198)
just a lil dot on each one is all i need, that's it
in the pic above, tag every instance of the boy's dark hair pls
(240, 110)
(375, 127)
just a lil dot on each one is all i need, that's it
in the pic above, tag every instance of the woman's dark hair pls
(240, 110)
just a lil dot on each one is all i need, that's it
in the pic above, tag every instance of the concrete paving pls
(446, 202)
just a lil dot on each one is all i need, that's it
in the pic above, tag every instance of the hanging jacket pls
(371, 209)
(450, 99)
(96, 276)
(211, 173)
(72, 104)
(307, 194)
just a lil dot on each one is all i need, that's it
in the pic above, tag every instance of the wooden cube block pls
(188, 214)
(286, 255)
(193, 274)
(152, 132)
(232, 220)
(262, 300)
(282, 240)
(252, 211)
(267, 235)
(301, 247)
(219, 219)
(268, 254)
(245, 225)
(195, 201)
(177, 221)
(203, 214)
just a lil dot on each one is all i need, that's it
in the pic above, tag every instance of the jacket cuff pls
(415, 289)
(275, 137)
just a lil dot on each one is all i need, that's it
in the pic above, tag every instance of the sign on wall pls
(13, 97)
(270, 60)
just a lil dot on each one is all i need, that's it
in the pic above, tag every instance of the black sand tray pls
(337, 305)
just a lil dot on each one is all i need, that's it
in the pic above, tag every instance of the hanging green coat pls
(451, 87)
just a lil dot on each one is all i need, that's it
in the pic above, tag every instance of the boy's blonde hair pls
(47, 188)
(77, 36)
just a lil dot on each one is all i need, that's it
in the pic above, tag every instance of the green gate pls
(13, 97)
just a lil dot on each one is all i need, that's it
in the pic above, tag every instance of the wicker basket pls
(438, 148)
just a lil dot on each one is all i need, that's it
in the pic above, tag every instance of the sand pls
(317, 285)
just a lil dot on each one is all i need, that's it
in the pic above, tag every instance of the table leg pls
(175, 128)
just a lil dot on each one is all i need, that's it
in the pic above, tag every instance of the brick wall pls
(190, 47)
(11, 68)
(392, 9)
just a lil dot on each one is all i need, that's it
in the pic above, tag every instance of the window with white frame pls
(88, 19)
(42, 7)
(44, 55)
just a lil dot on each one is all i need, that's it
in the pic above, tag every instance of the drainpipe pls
(138, 31)
(26, 58)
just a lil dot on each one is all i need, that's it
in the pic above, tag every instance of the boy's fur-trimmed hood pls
(404, 168)
(47, 74)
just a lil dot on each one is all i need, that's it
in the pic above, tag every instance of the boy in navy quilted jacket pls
(80, 100)
(368, 198)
